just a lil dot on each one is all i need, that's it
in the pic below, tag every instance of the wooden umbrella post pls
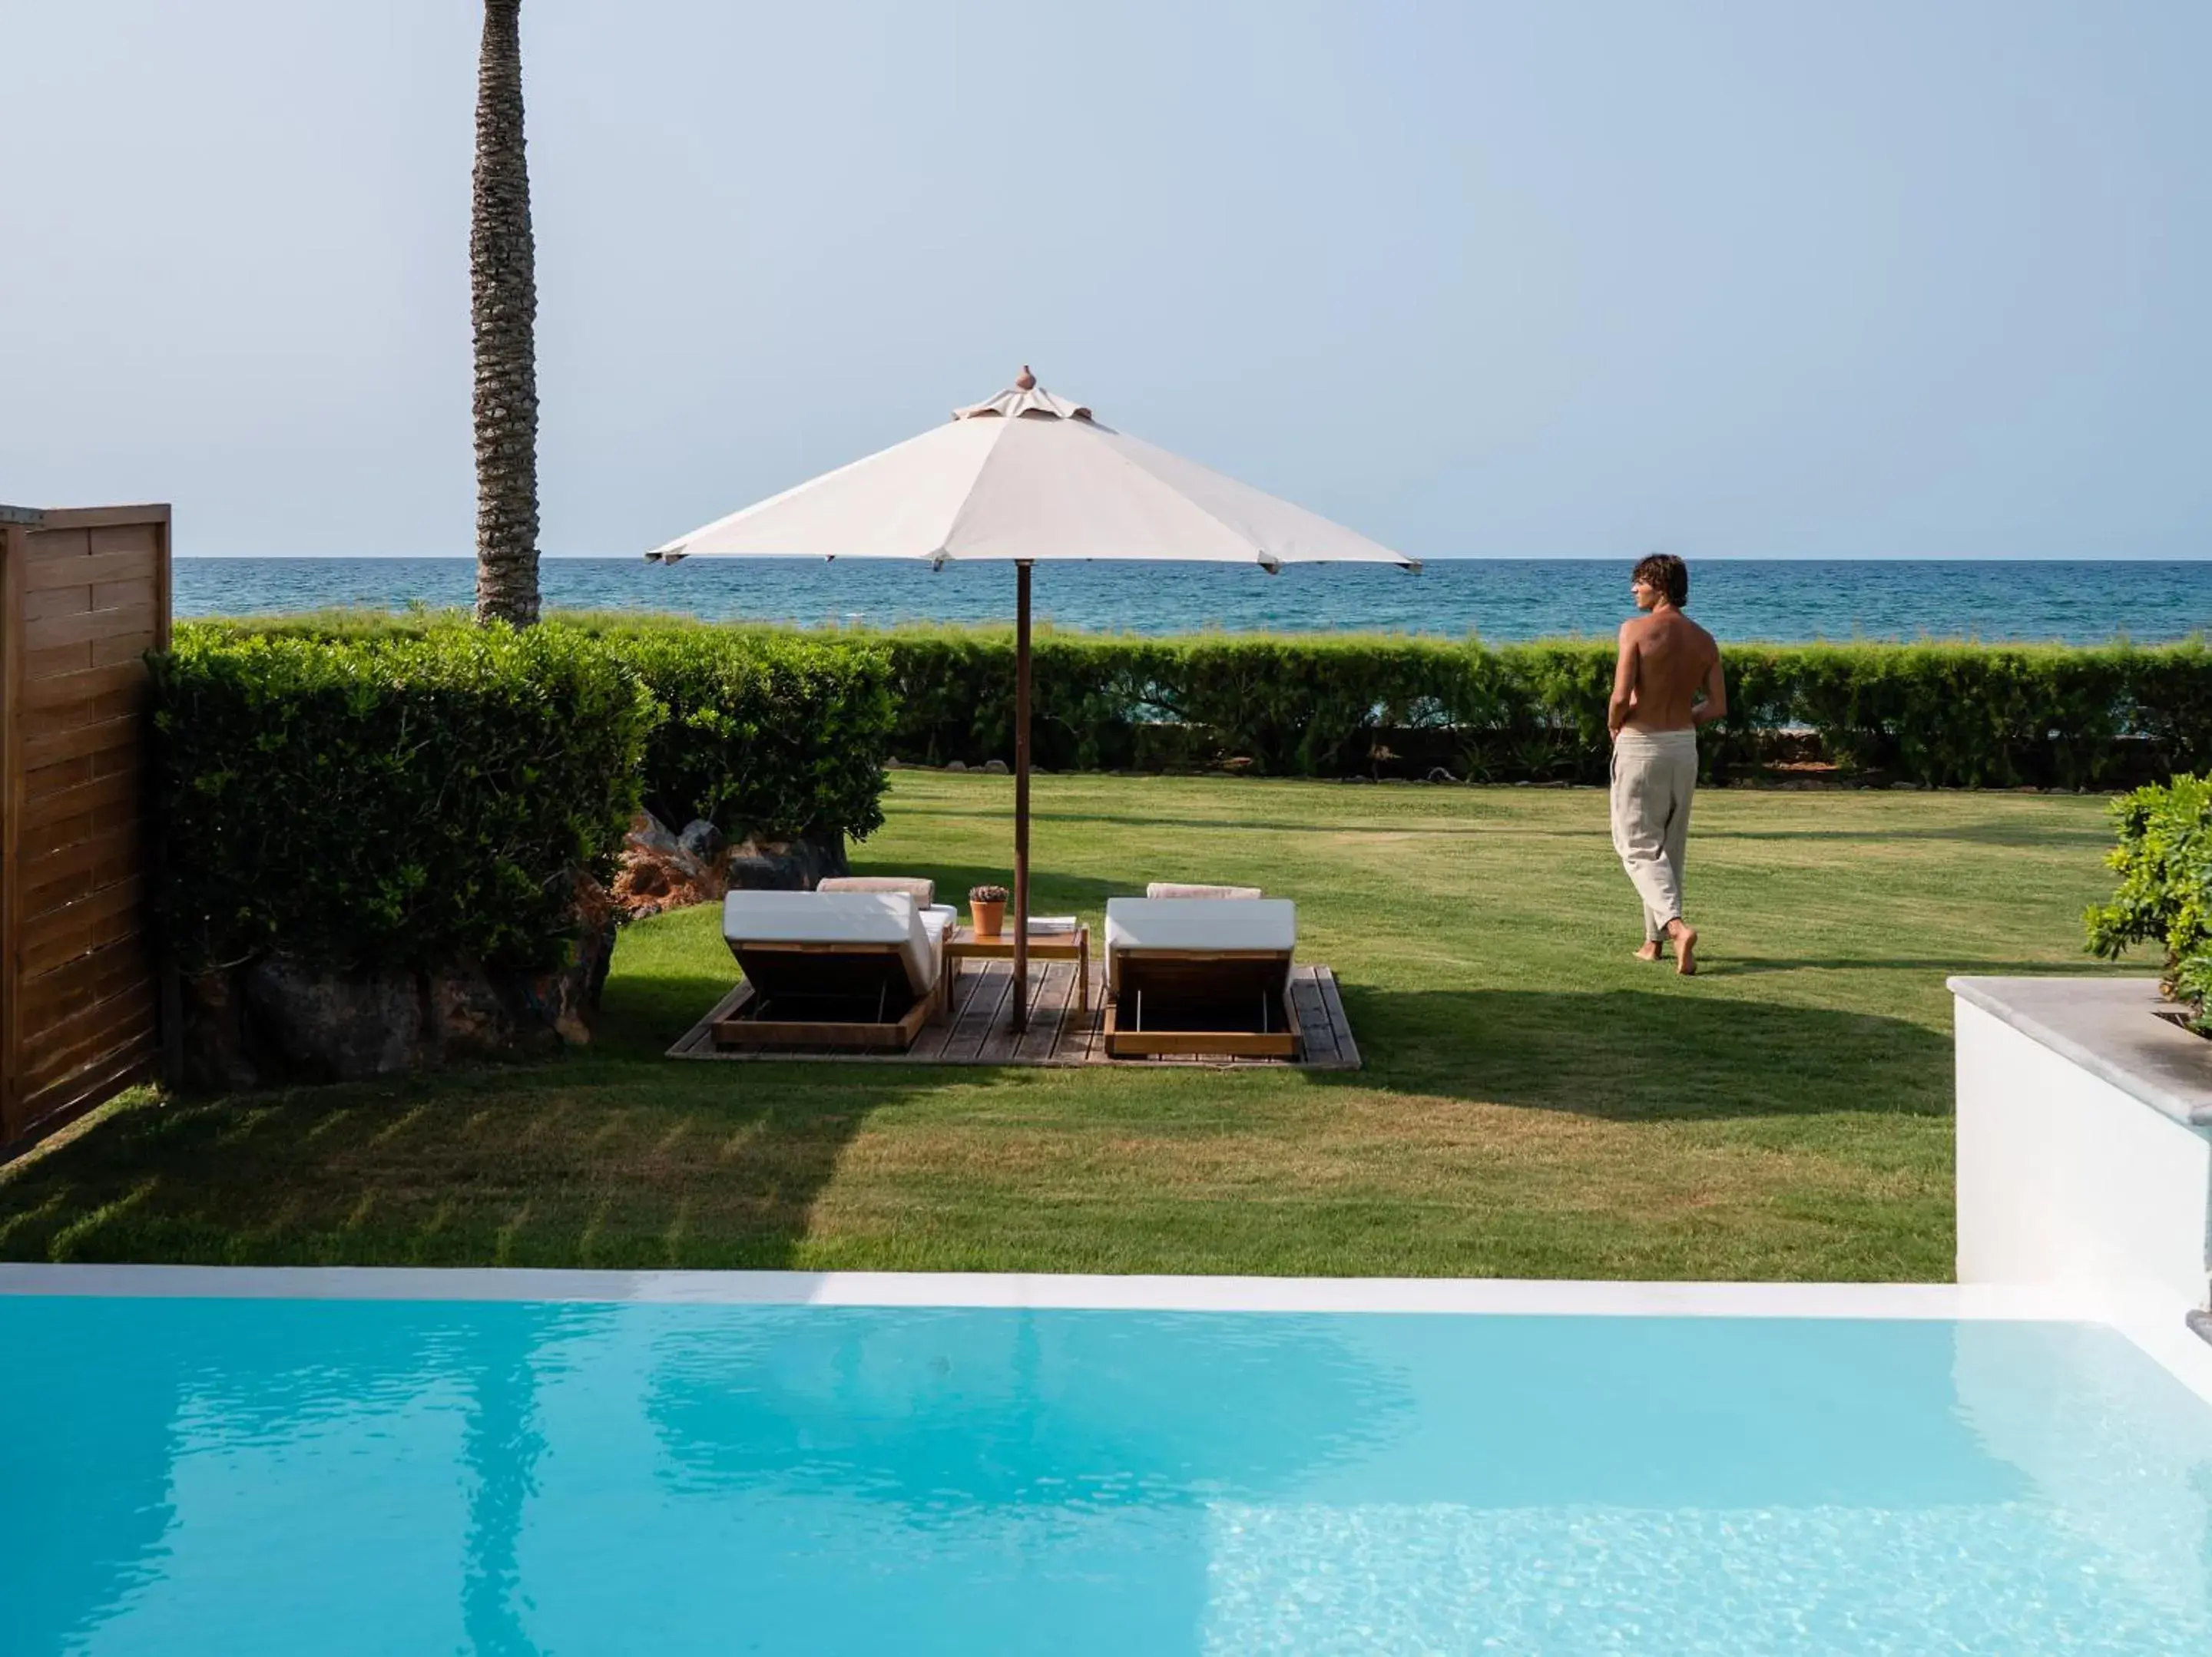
(1022, 797)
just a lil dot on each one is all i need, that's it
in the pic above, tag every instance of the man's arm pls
(1624, 681)
(1715, 706)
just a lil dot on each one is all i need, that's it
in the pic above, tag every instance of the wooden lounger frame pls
(743, 1025)
(1199, 970)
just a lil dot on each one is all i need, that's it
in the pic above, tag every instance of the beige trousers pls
(1653, 773)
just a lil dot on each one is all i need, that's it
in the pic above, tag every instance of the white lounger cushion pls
(1200, 924)
(1177, 888)
(890, 918)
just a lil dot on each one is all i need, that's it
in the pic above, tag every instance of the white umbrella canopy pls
(1030, 477)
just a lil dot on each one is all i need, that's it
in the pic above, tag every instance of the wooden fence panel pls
(83, 595)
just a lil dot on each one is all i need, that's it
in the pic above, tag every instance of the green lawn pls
(1536, 1103)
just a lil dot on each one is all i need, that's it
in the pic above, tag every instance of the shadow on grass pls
(592, 1161)
(1737, 966)
(2018, 836)
(1639, 1055)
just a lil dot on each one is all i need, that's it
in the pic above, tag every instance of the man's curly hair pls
(1668, 574)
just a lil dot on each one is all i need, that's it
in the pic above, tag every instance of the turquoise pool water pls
(201, 1476)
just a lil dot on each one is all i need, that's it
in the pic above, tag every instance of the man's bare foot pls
(1686, 947)
(1649, 951)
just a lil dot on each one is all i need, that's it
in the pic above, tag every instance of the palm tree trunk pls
(503, 300)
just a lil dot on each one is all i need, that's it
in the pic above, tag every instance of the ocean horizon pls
(1773, 600)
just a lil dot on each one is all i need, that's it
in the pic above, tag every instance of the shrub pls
(768, 732)
(2164, 860)
(1948, 714)
(400, 799)
(764, 734)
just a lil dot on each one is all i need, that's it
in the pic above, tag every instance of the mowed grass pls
(1536, 1102)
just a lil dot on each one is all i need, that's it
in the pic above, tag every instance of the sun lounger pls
(861, 970)
(1200, 975)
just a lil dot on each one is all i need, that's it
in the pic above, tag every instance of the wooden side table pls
(963, 945)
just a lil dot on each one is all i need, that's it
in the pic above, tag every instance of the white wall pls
(2065, 1180)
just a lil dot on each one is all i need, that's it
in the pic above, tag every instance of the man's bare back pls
(1665, 659)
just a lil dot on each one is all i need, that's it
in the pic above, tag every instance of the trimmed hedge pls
(408, 800)
(769, 735)
(1952, 715)
(2164, 860)
(767, 732)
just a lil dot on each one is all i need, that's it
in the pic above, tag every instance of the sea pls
(1499, 600)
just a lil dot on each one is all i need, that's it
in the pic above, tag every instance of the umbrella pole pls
(1022, 797)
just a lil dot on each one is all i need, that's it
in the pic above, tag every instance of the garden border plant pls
(1947, 714)
(2164, 860)
(403, 800)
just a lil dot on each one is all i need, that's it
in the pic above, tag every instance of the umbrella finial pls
(1025, 381)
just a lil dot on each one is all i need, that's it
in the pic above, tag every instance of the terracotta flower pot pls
(988, 919)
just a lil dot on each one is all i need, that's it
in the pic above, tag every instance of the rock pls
(995, 768)
(649, 835)
(660, 871)
(319, 1026)
(475, 1014)
(470, 1018)
(278, 1019)
(956, 765)
(215, 1041)
(703, 841)
(1437, 773)
(783, 865)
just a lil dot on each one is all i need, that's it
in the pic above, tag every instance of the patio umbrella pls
(1030, 477)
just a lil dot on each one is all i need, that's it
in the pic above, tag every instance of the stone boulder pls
(278, 1019)
(312, 1026)
(659, 872)
(783, 865)
(703, 841)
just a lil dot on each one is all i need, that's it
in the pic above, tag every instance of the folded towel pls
(1053, 923)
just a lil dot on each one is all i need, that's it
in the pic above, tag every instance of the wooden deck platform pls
(975, 1033)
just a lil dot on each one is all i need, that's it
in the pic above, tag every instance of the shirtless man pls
(1666, 660)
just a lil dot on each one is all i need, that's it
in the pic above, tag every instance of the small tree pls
(503, 302)
(2165, 863)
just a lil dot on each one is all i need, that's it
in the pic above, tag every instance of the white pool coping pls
(2162, 1337)
(1526, 1297)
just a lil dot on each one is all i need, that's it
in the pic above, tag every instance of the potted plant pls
(987, 909)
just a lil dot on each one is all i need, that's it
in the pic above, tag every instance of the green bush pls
(407, 798)
(1950, 715)
(766, 734)
(2164, 860)
(1947, 715)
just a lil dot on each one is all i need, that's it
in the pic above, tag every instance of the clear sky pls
(1870, 278)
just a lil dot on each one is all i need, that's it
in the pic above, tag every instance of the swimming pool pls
(676, 1467)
